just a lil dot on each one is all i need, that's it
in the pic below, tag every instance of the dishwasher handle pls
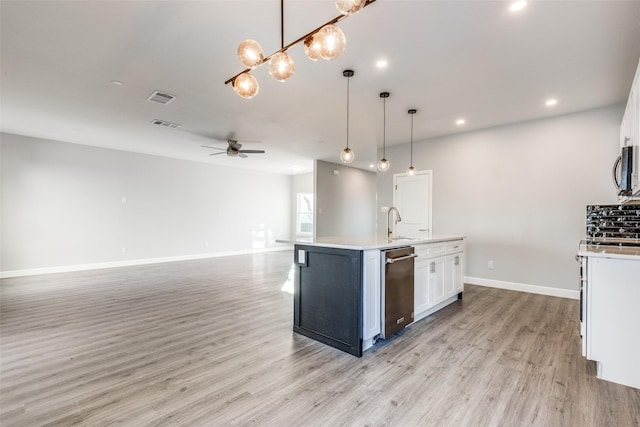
(402, 258)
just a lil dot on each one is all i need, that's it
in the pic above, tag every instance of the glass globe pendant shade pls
(347, 155)
(347, 7)
(250, 53)
(411, 171)
(383, 165)
(246, 85)
(313, 48)
(332, 41)
(281, 66)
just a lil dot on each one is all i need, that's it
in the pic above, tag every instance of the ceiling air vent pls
(161, 97)
(165, 124)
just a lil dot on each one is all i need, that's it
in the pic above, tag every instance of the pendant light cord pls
(412, 140)
(348, 78)
(384, 127)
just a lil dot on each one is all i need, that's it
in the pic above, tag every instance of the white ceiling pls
(448, 59)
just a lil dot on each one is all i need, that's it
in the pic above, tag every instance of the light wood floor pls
(210, 342)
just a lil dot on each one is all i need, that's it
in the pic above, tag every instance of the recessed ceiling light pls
(381, 63)
(371, 165)
(517, 5)
(296, 168)
(460, 122)
(551, 102)
(117, 82)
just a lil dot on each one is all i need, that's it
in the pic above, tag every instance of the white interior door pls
(412, 197)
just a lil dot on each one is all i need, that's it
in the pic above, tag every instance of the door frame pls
(430, 195)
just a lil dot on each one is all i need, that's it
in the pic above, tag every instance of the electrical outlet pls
(490, 265)
(384, 209)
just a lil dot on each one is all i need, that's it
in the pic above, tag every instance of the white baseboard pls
(522, 287)
(128, 263)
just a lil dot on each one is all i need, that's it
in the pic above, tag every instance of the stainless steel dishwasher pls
(397, 289)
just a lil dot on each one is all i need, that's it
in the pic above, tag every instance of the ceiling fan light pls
(332, 41)
(250, 53)
(383, 165)
(347, 7)
(313, 47)
(281, 66)
(246, 85)
(347, 155)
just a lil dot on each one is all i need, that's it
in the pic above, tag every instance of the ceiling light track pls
(326, 42)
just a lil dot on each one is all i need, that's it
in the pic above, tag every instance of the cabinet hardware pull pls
(433, 267)
(456, 261)
(400, 320)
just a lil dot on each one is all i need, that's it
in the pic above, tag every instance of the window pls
(304, 220)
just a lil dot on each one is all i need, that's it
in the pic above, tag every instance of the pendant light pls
(325, 42)
(281, 66)
(411, 171)
(347, 7)
(383, 163)
(347, 154)
(250, 54)
(246, 85)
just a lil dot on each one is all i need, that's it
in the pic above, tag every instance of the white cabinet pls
(453, 271)
(370, 296)
(436, 281)
(612, 318)
(439, 272)
(630, 129)
(421, 285)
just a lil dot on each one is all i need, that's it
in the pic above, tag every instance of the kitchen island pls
(339, 285)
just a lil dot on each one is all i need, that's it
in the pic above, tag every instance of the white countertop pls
(372, 242)
(623, 252)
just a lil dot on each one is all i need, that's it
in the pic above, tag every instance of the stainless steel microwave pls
(623, 172)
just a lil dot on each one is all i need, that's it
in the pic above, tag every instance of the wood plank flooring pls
(210, 343)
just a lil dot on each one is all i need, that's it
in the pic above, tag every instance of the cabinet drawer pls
(428, 251)
(453, 247)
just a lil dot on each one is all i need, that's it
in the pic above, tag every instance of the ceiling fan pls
(234, 150)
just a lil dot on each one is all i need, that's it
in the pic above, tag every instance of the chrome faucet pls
(398, 219)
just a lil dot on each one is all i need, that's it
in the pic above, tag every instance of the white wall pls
(518, 192)
(62, 206)
(302, 183)
(345, 203)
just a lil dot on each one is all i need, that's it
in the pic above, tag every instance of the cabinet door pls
(421, 286)
(327, 300)
(634, 131)
(626, 125)
(453, 275)
(371, 294)
(449, 273)
(458, 282)
(436, 281)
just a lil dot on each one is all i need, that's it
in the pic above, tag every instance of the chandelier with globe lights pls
(325, 42)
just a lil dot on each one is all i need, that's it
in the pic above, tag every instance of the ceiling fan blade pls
(252, 151)
(215, 148)
(215, 154)
(241, 154)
